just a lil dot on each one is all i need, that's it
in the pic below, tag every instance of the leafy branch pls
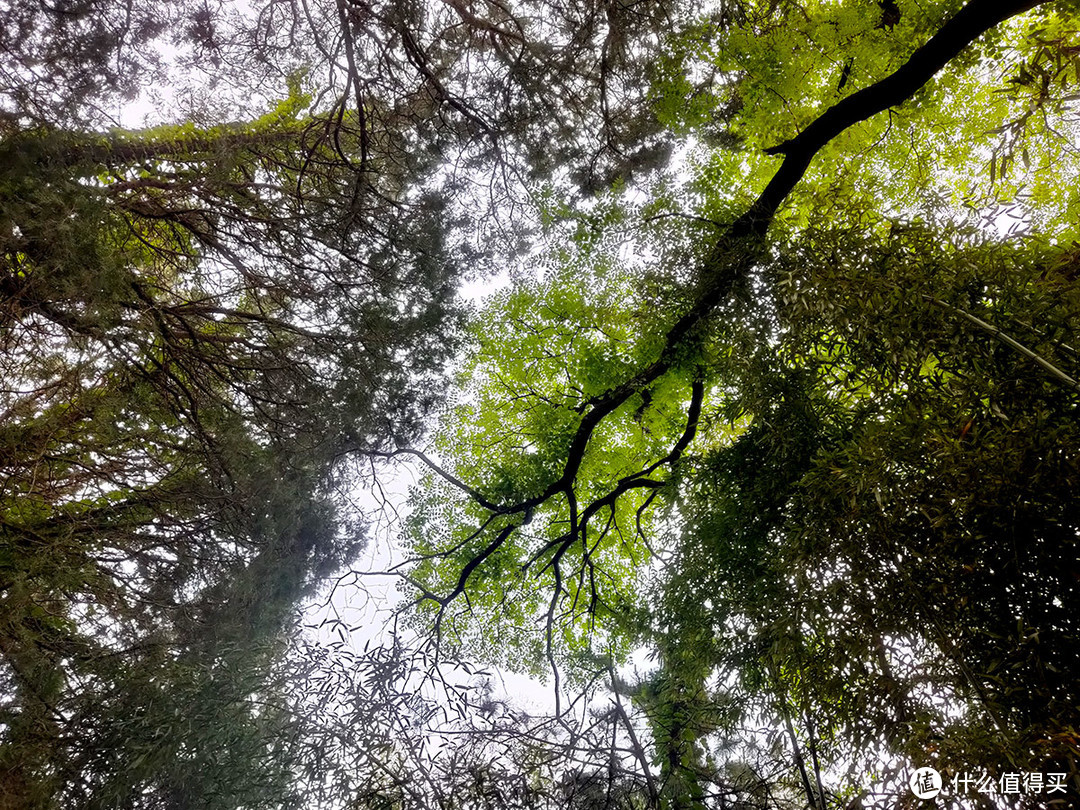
(735, 252)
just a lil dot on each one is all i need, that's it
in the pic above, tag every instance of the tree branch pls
(734, 254)
(448, 477)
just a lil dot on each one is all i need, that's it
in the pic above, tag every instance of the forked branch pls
(737, 249)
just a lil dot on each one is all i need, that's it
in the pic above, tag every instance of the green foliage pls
(867, 546)
(510, 429)
(987, 138)
(191, 333)
(868, 557)
(951, 493)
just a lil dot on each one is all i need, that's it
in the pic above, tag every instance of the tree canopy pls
(801, 422)
(780, 392)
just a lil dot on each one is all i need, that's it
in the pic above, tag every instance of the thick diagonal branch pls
(971, 22)
(740, 245)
